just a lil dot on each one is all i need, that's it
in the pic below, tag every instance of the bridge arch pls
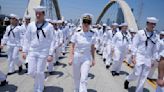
(128, 15)
(34, 3)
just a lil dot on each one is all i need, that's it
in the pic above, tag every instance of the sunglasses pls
(86, 21)
(152, 23)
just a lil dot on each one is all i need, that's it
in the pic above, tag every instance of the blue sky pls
(72, 9)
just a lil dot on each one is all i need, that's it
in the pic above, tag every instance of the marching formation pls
(44, 41)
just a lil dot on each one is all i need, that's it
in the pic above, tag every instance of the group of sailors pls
(141, 50)
(42, 43)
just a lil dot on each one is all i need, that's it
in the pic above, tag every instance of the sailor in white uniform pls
(12, 38)
(120, 43)
(105, 38)
(98, 35)
(144, 49)
(23, 30)
(111, 33)
(130, 47)
(39, 43)
(82, 54)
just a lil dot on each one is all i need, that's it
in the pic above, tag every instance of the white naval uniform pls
(110, 35)
(38, 44)
(105, 38)
(144, 57)
(58, 44)
(98, 34)
(82, 58)
(12, 39)
(129, 53)
(60, 38)
(65, 36)
(23, 31)
(120, 44)
(102, 32)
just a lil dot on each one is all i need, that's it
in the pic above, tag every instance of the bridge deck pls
(100, 79)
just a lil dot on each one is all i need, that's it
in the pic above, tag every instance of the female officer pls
(82, 54)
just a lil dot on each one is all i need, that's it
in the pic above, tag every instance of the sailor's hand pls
(1, 46)
(133, 60)
(93, 63)
(50, 58)
(160, 82)
(70, 62)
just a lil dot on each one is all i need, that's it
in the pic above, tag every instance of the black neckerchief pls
(124, 36)
(11, 30)
(113, 33)
(40, 28)
(148, 38)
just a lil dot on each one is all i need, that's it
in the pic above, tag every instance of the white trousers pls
(140, 72)
(109, 55)
(64, 45)
(105, 52)
(13, 58)
(2, 76)
(129, 58)
(118, 59)
(160, 89)
(152, 71)
(81, 67)
(36, 70)
(97, 45)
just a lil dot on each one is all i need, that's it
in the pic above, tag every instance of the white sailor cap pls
(162, 32)
(104, 24)
(114, 24)
(54, 21)
(40, 9)
(123, 24)
(48, 20)
(60, 21)
(14, 16)
(87, 16)
(65, 22)
(27, 17)
(132, 30)
(108, 27)
(6, 19)
(152, 20)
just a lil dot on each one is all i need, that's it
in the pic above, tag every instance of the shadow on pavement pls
(91, 76)
(8, 88)
(61, 64)
(53, 89)
(124, 73)
(3, 55)
(91, 90)
(58, 73)
(132, 89)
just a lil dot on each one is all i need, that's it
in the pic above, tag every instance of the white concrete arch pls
(128, 15)
(34, 3)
